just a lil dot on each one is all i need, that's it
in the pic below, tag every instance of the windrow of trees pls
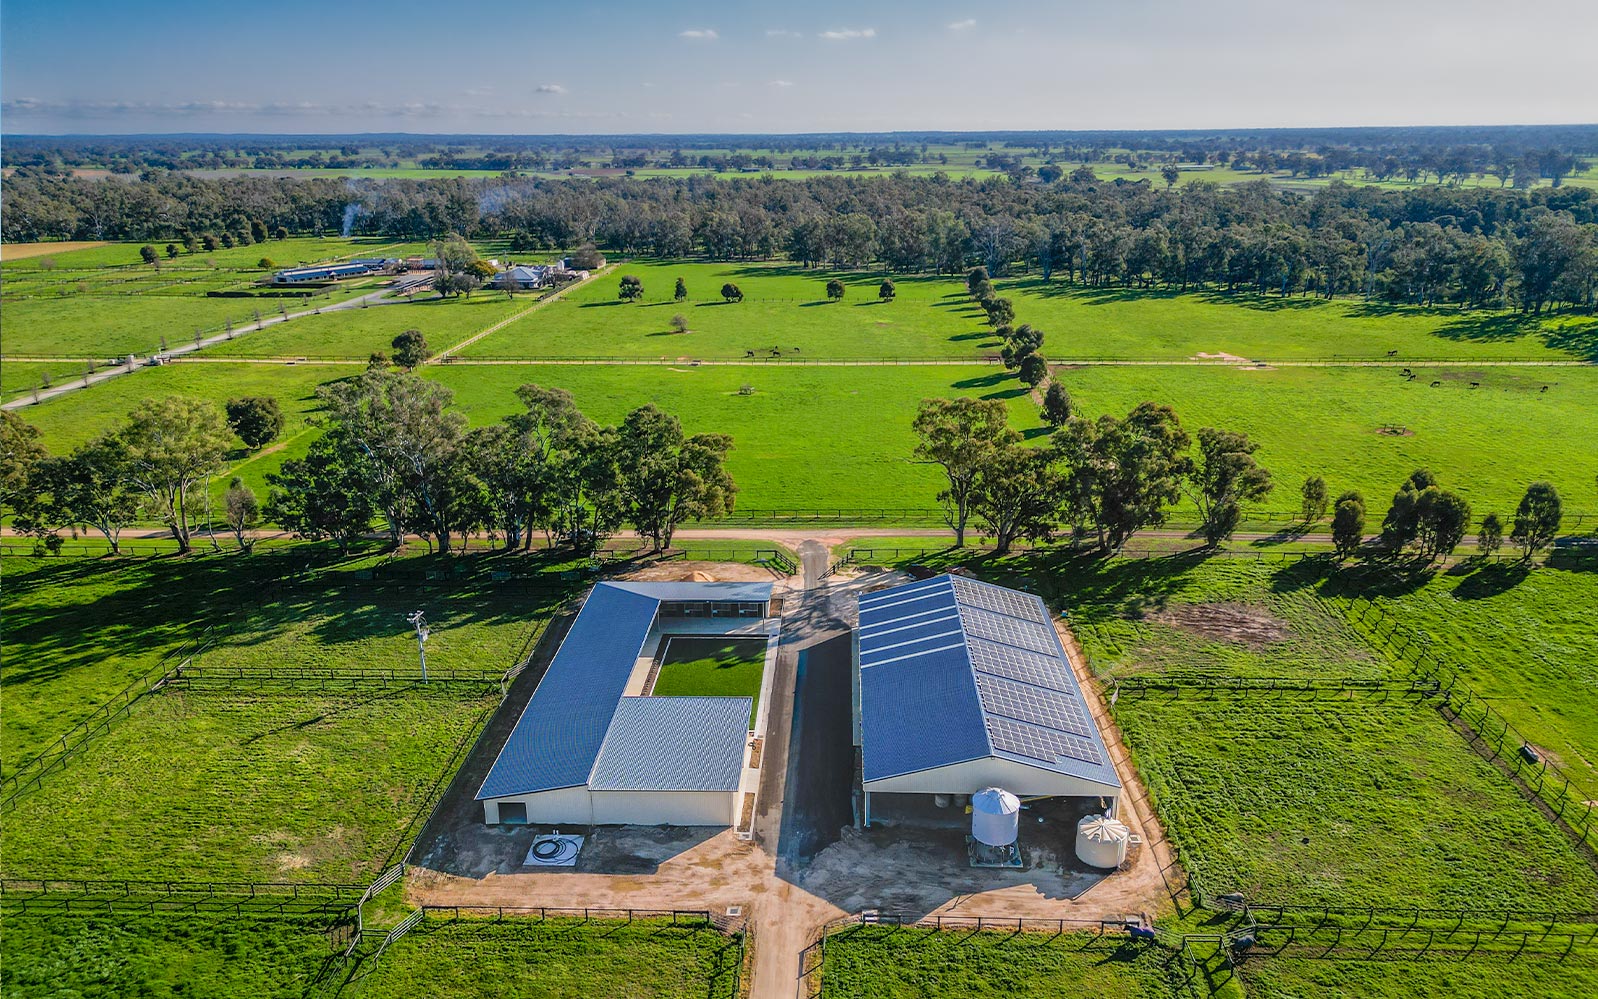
(1107, 478)
(1471, 247)
(394, 451)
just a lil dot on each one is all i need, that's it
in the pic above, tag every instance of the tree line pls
(1471, 247)
(392, 451)
(1107, 479)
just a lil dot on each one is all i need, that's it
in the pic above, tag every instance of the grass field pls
(103, 957)
(1574, 977)
(784, 306)
(480, 959)
(1313, 798)
(357, 333)
(881, 962)
(712, 667)
(805, 437)
(238, 786)
(1127, 323)
(79, 630)
(283, 252)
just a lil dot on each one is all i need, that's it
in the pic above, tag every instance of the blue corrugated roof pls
(953, 669)
(561, 732)
(674, 744)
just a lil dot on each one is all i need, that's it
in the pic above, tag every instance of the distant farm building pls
(593, 748)
(527, 277)
(963, 686)
(327, 272)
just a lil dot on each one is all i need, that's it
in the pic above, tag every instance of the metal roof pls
(953, 670)
(674, 744)
(560, 733)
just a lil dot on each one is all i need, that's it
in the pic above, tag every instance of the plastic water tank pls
(995, 816)
(1101, 841)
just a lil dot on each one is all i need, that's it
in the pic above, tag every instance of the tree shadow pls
(984, 381)
(1491, 580)
(600, 305)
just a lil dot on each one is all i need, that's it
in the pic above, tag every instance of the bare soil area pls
(23, 251)
(697, 572)
(1245, 624)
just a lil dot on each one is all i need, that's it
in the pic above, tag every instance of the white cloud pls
(783, 33)
(699, 34)
(551, 88)
(848, 34)
(969, 22)
(782, 83)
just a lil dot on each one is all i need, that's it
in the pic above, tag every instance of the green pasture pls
(712, 667)
(1083, 322)
(78, 630)
(1363, 799)
(241, 785)
(890, 962)
(1486, 443)
(1408, 977)
(1524, 639)
(358, 332)
(170, 954)
(784, 308)
(475, 958)
(110, 327)
(805, 437)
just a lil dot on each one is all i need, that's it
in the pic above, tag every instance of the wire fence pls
(31, 774)
(57, 895)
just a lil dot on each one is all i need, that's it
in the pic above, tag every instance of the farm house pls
(963, 686)
(597, 746)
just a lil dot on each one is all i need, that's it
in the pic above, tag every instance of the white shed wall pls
(673, 808)
(974, 775)
(568, 805)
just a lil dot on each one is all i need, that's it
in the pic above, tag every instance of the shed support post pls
(867, 824)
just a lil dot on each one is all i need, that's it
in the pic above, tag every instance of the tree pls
(834, 290)
(1000, 311)
(257, 420)
(679, 323)
(1314, 496)
(1224, 478)
(280, 233)
(731, 293)
(1402, 523)
(171, 251)
(148, 254)
(1015, 496)
(1122, 474)
(325, 495)
(668, 477)
(680, 293)
(1171, 174)
(483, 271)
(410, 349)
(975, 279)
(886, 291)
(92, 487)
(258, 230)
(1033, 370)
(1018, 343)
(266, 263)
(1348, 524)
(1490, 536)
(173, 444)
(961, 436)
(208, 243)
(241, 511)
(587, 258)
(1444, 516)
(1056, 405)
(631, 289)
(20, 455)
(1536, 519)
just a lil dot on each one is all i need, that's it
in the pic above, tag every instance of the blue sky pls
(621, 66)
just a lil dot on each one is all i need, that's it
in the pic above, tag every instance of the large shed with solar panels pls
(963, 685)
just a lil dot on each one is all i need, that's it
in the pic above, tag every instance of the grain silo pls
(995, 817)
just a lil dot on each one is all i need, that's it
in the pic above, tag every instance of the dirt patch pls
(1245, 624)
(1395, 432)
(23, 251)
(1219, 356)
(697, 572)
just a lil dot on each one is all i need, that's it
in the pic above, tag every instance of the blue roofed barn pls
(964, 685)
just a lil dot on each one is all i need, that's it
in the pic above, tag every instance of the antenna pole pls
(422, 630)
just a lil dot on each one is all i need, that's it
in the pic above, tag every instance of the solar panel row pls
(999, 599)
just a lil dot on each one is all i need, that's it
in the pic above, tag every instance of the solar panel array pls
(1030, 700)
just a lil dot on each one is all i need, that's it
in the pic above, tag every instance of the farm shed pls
(962, 685)
(327, 272)
(593, 748)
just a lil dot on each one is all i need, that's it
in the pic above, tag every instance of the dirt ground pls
(697, 572)
(1245, 624)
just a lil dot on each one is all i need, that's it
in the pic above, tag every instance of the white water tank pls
(1101, 841)
(995, 816)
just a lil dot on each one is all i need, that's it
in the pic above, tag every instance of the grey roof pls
(953, 669)
(560, 733)
(674, 744)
